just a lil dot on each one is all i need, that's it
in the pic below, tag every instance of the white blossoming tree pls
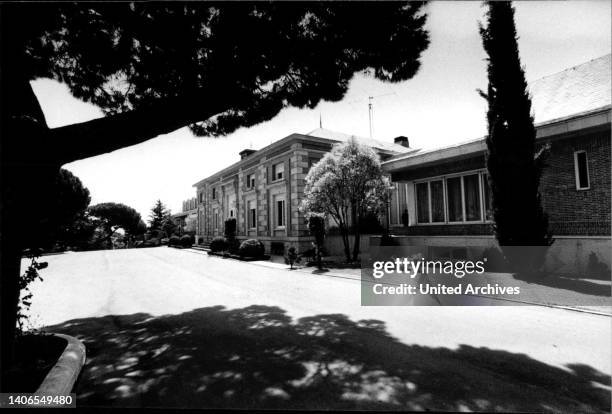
(347, 183)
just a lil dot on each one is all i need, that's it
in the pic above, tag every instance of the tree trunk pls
(27, 174)
(356, 216)
(356, 245)
(346, 242)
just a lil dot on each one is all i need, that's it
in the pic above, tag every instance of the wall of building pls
(571, 211)
(296, 157)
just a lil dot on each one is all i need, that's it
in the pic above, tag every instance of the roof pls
(319, 134)
(342, 137)
(578, 91)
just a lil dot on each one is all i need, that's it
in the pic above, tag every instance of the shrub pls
(218, 244)
(200, 240)
(152, 242)
(292, 256)
(174, 241)
(251, 248)
(187, 240)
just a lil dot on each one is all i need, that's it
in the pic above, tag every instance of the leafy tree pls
(111, 217)
(154, 68)
(159, 214)
(514, 165)
(168, 226)
(346, 184)
(63, 212)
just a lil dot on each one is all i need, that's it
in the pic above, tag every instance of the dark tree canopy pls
(156, 67)
(62, 211)
(218, 66)
(113, 216)
(514, 165)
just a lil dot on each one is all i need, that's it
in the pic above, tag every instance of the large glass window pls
(403, 207)
(471, 187)
(437, 201)
(457, 199)
(422, 202)
(453, 195)
(394, 218)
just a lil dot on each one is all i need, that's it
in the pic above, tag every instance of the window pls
(453, 195)
(471, 189)
(422, 202)
(250, 180)
(201, 197)
(393, 216)
(430, 202)
(214, 193)
(280, 213)
(277, 171)
(581, 169)
(437, 201)
(252, 215)
(455, 199)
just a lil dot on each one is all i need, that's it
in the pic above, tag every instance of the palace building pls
(264, 189)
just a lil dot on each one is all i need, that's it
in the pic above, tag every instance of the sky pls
(437, 107)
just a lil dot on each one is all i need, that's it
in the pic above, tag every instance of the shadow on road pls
(257, 357)
(577, 285)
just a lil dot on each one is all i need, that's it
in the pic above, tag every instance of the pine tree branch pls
(102, 135)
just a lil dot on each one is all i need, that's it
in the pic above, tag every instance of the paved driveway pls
(178, 328)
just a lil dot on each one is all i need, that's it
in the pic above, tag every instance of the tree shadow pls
(258, 357)
(575, 285)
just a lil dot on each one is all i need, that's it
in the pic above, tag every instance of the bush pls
(218, 244)
(187, 240)
(165, 240)
(251, 248)
(292, 257)
(174, 241)
(200, 240)
(152, 242)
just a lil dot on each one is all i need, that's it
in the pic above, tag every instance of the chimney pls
(245, 153)
(402, 140)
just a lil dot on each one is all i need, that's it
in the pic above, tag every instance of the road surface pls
(165, 281)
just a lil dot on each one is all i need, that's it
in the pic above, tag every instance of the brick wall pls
(571, 211)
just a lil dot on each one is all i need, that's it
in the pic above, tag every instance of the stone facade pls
(279, 224)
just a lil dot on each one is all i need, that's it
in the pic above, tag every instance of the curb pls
(61, 378)
(358, 279)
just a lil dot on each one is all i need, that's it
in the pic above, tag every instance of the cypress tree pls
(514, 165)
